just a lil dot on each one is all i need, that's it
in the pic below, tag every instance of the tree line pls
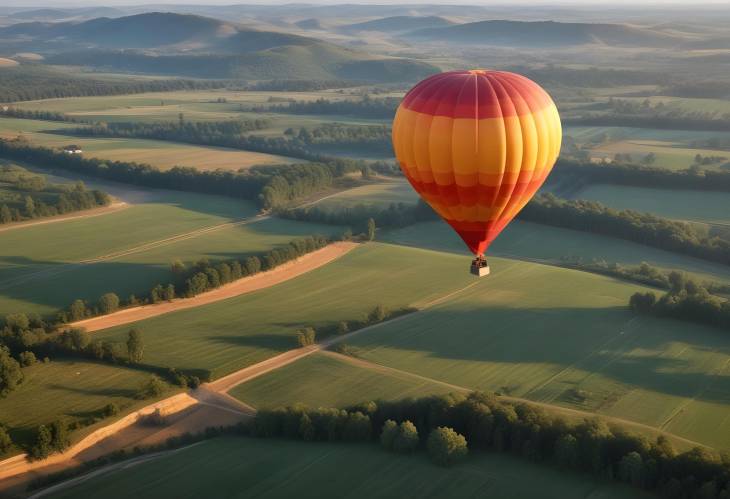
(367, 107)
(33, 82)
(269, 186)
(685, 300)
(483, 422)
(643, 228)
(33, 114)
(625, 173)
(27, 196)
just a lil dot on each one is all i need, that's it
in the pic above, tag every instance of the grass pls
(321, 380)
(70, 389)
(527, 240)
(234, 333)
(697, 206)
(57, 283)
(668, 154)
(381, 194)
(244, 467)
(566, 337)
(40, 251)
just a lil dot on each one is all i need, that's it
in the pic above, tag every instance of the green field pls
(380, 195)
(525, 240)
(243, 467)
(321, 380)
(566, 337)
(695, 206)
(162, 154)
(71, 389)
(44, 286)
(241, 331)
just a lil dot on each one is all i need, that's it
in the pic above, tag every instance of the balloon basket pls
(479, 267)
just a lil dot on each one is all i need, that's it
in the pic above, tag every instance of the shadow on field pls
(572, 347)
(278, 342)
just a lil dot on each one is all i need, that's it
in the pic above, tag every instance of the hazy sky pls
(582, 3)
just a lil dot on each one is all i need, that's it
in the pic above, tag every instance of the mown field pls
(567, 337)
(381, 195)
(242, 467)
(70, 389)
(322, 380)
(234, 333)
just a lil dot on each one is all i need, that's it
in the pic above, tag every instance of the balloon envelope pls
(477, 145)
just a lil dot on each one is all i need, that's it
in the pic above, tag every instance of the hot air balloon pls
(476, 146)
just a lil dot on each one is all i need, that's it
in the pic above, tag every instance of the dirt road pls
(282, 273)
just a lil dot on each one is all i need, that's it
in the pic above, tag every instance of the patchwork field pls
(243, 467)
(74, 389)
(322, 380)
(234, 333)
(566, 337)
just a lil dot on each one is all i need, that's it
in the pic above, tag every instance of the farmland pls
(240, 467)
(73, 389)
(250, 328)
(381, 195)
(321, 380)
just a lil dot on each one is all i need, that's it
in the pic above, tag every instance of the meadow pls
(72, 389)
(696, 206)
(231, 334)
(323, 380)
(380, 194)
(567, 338)
(244, 467)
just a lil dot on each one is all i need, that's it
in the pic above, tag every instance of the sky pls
(582, 3)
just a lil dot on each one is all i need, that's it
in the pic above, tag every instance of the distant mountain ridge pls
(196, 46)
(398, 23)
(546, 33)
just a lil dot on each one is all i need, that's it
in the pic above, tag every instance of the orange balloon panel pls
(477, 145)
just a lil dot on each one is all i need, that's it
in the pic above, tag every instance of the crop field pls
(321, 380)
(234, 333)
(52, 284)
(245, 467)
(161, 154)
(381, 194)
(668, 154)
(696, 206)
(530, 241)
(720, 106)
(566, 337)
(38, 252)
(74, 389)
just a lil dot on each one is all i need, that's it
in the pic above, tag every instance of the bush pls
(153, 387)
(446, 447)
(407, 439)
(306, 336)
(27, 358)
(5, 441)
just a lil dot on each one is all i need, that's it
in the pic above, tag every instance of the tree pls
(11, 375)
(371, 229)
(677, 281)
(109, 303)
(566, 451)
(306, 336)
(5, 441)
(5, 215)
(59, 435)
(153, 387)
(27, 358)
(306, 428)
(343, 328)
(378, 314)
(43, 443)
(388, 434)
(169, 292)
(29, 207)
(357, 428)
(77, 310)
(407, 439)
(631, 469)
(135, 346)
(446, 447)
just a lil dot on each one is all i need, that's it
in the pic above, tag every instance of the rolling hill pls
(398, 24)
(190, 45)
(547, 33)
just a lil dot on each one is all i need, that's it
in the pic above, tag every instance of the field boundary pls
(282, 273)
(90, 213)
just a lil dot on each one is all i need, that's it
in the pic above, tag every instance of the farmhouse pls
(72, 149)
